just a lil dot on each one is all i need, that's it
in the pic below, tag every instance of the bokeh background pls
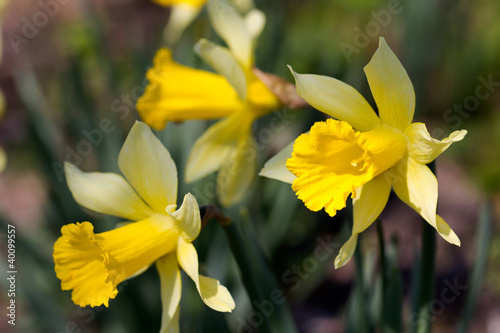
(85, 64)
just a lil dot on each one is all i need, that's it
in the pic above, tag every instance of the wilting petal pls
(187, 218)
(336, 99)
(333, 160)
(147, 165)
(92, 265)
(237, 173)
(176, 92)
(391, 87)
(370, 201)
(275, 167)
(211, 291)
(445, 231)
(213, 148)
(423, 148)
(223, 61)
(230, 26)
(171, 287)
(346, 251)
(416, 185)
(105, 193)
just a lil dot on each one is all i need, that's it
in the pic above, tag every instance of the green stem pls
(383, 272)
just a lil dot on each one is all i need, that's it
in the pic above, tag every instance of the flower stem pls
(383, 273)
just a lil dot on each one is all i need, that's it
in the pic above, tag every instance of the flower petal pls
(187, 218)
(223, 61)
(337, 99)
(370, 201)
(230, 26)
(445, 231)
(196, 3)
(211, 291)
(416, 185)
(214, 147)
(333, 160)
(423, 148)
(237, 173)
(171, 287)
(275, 167)
(181, 15)
(346, 251)
(255, 20)
(176, 92)
(147, 165)
(391, 87)
(105, 193)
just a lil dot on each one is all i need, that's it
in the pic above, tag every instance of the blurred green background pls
(85, 65)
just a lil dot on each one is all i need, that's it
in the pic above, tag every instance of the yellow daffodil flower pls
(176, 92)
(183, 12)
(92, 265)
(362, 154)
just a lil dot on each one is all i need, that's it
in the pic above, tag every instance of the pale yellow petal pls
(187, 218)
(223, 61)
(416, 185)
(147, 165)
(105, 193)
(176, 92)
(237, 173)
(213, 148)
(391, 87)
(275, 167)
(3, 160)
(445, 231)
(346, 251)
(423, 148)
(211, 291)
(337, 99)
(196, 3)
(230, 26)
(171, 287)
(255, 20)
(370, 201)
(181, 15)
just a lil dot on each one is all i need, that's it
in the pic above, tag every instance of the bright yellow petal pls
(92, 265)
(211, 291)
(336, 99)
(230, 26)
(178, 2)
(171, 287)
(105, 193)
(275, 167)
(370, 201)
(214, 147)
(181, 15)
(333, 160)
(445, 231)
(391, 87)
(223, 61)
(260, 100)
(176, 92)
(187, 218)
(237, 173)
(423, 148)
(346, 251)
(416, 185)
(147, 165)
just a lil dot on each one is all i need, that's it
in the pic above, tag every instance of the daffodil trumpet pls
(176, 93)
(93, 264)
(362, 154)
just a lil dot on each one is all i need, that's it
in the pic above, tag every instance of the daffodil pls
(362, 154)
(183, 12)
(92, 265)
(176, 92)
